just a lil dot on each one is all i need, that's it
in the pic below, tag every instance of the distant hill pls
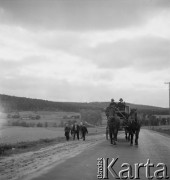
(141, 108)
(13, 103)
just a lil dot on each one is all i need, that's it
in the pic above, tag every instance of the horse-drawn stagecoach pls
(119, 117)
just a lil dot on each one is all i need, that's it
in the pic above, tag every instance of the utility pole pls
(169, 94)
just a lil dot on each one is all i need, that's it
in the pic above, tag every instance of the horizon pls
(86, 51)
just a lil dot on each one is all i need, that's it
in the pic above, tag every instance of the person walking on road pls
(67, 132)
(80, 130)
(84, 131)
(75, 130)
(72, 135)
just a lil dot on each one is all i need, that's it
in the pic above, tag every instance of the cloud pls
(85, 50)
(80, 15)
(83, 83)
(52, 89)
(10, 68)
(144, 53)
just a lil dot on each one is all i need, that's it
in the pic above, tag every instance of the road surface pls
(152, 146)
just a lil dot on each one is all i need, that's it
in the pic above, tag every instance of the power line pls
(169, 94)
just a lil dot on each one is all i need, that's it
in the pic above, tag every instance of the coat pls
(76, 128)
(67, 129)
(84, 130)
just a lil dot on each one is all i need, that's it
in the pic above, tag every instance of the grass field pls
(45, 116)
(19, 134)
(162, 129)
(14, 134)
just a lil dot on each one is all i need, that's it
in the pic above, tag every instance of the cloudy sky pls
(86, 50)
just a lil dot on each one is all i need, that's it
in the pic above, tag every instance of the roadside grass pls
(13, 135)
(20, 147)
(165, 129)
(7, 149)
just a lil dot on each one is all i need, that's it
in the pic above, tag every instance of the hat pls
(120, 99)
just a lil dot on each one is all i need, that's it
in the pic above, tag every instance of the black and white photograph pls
(84, 89)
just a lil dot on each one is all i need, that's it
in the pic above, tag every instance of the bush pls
(54, 124)
(22, 123)
(91, 116)
(39, 125)
(38, 117)
(46, 124)
(31, 124)
(16, 116)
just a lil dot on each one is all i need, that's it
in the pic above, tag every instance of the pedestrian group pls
(76, 131)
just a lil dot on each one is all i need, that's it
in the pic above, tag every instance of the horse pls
(113, 124)
(133, 127)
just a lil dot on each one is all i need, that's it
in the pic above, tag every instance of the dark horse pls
(113, 125)
(133, 127)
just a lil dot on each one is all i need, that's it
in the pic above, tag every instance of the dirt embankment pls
(30, 164)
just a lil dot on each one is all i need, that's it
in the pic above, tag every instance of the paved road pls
(152, 145)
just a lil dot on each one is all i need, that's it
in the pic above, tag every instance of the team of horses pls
(130, 123)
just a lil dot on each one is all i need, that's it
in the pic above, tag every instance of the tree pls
(39, 125)
(46, 124)
(37, 117)
(91, 116)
